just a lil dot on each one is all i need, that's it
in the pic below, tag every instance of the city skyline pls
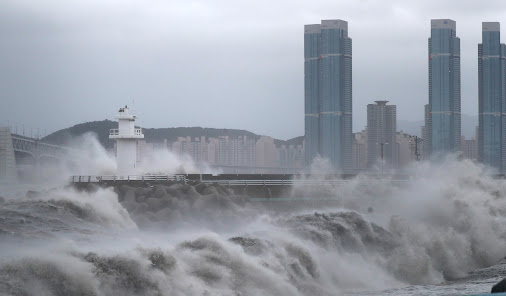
(54, 56)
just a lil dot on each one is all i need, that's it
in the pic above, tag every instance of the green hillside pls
(101, 128)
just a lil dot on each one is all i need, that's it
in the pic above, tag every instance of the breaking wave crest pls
(208, 240)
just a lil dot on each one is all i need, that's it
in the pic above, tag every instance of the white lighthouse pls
(126, 136)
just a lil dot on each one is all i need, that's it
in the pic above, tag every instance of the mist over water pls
(445, 225)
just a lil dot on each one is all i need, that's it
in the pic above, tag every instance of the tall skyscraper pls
(381, 133)
(444, 88)
(312, 71)
(492, 97)
(328, 93)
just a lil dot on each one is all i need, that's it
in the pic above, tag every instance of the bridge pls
(13, 147)
(36, 148)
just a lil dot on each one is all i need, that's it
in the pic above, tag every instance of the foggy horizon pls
(244, 71)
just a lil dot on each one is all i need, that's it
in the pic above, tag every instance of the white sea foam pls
(446, 221)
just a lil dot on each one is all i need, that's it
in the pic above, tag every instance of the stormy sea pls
(442, 232)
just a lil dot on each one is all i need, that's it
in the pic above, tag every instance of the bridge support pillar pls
(8, 171)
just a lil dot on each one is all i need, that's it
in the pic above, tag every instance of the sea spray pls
(162, 161)
(446, 221)
(64, 211)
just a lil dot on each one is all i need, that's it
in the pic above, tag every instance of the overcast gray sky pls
(216, 63)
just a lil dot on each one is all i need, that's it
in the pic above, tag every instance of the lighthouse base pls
(126, 157)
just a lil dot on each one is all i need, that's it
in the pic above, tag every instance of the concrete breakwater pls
(266, 187)
(154, 202)
(189, 188)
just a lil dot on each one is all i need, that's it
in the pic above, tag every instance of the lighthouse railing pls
(116, 132)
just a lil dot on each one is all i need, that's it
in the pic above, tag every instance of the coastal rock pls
(210, 190)
(129, 205)
(168, 215)
(129, 196)
(164, 214)
(92, 187)
(176, 186)
(182, 205)
(174, 190)
(155, 204)
(124, 189)
(140, 198)
(200, 187)
(141, 208)
(143, 191)
(500, 287)
(152, 217)
(159, 191)
(222, 190)
(185, 188)
(192, 195)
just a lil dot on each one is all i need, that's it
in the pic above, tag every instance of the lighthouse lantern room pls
(126, 136)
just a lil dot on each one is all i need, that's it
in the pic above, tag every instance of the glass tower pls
(328, 92)
(312, 71)
(444, 88)
(492, 97)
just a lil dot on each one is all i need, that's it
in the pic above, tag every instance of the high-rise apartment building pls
(492, 97)
(381, 133)
(409, 149)
(236, 152)
(444, 126)
(290, 156)
(359, 151)
(328, 93)
(469, 148)
(265, 152)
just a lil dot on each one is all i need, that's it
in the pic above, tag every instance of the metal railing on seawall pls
(293, 182)
(113, 178)
(223, 182)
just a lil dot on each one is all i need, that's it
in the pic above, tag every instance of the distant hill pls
(101, 128)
